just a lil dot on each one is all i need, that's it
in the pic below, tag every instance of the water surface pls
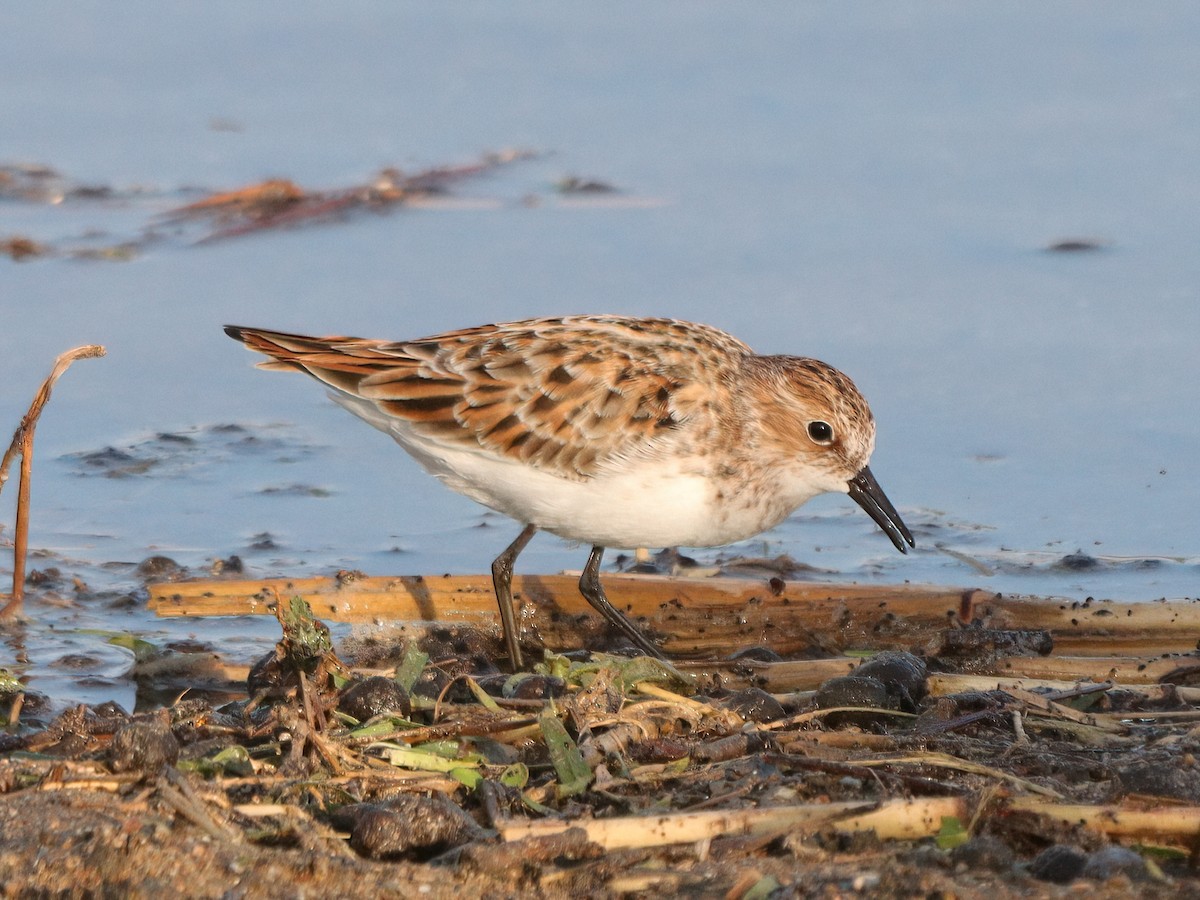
(873, 184)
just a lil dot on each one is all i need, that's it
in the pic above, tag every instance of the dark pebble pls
(1078, 562)
(262, 542)
(410, 826)
(144, 746)
(473, 651)
(1116, 860)
(755, 705)
(853, 690)
(902, 675)
(167, 437)
(159, 567)
(433, 681)
(536, 687)
(1058, 863)
(50, 577)
(374, 696)
(233, 565)
(756, 654)
(983, 852)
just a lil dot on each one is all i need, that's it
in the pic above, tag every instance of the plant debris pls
(174, 217)
(22, 446)
(430, 771)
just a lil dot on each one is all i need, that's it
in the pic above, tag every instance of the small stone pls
(902, 674)
(433, 682)
(145, 745)
(536, 687)
(231, 566)
(1058, 863)
(1078, 562)
(410, 826)
(374, 696)
(755, 705)
(983, 852)
(853, 691)
(1116, 860)
(756, 654)
(162, 568)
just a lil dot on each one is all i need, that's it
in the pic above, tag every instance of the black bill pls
(870, 496)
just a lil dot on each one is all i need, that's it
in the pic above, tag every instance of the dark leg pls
(502, 572)
(593, 593)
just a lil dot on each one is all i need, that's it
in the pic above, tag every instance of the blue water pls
(871, 184)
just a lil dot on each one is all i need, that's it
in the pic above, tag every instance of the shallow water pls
(874, 185)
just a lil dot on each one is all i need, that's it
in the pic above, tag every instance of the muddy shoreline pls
(422, 768)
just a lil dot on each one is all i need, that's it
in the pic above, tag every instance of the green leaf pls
(383, 726)
(1167, 853)
(412, 758)
(558, 666)
(486, 699)
(677, 766)
(515, 776)
(233, 760)
(466, 776)
(629, 671)
(951, 834)
(763, 888)
(410, 668)
(306, 640)
(447, 748)
(574, 775)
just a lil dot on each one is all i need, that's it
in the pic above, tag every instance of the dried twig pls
(22, 443)
(1164, 825)
(176, 791)
(904, 819)
(946, 761)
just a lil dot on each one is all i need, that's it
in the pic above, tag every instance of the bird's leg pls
(502, 572)
(593, 593)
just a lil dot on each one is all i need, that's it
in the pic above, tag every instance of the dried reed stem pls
(22, 443)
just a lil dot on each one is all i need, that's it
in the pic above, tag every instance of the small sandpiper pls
(609, 430)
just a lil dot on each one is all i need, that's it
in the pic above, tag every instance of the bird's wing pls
(568, 395)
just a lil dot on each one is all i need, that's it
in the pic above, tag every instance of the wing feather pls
(567, 395)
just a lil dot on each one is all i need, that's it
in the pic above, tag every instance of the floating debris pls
(270, 205)
(20, 248)
(574, 185)
(1077, 245)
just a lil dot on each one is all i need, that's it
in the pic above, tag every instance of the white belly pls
(650, 503)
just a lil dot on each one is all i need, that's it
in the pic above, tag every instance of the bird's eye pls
(820, 432)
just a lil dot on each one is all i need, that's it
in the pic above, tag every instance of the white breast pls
(648, 503)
